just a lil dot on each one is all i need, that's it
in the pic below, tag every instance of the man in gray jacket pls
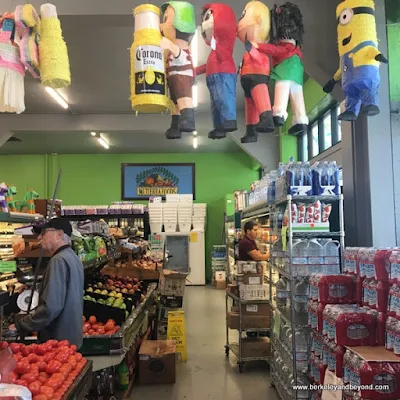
(60, 309)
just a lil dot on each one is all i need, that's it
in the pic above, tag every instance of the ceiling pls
(99, 35)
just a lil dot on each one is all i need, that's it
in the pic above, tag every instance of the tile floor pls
(209, 374)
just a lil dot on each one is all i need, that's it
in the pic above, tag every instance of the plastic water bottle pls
(301, 295)
(315, 253)
(299, 258)
(282, 292)
(331, 264)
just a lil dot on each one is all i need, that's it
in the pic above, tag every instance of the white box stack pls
(170, 214)
(156, 217)
(185, 211)
(199, 216)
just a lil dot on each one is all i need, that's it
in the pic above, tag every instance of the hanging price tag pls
(8, 266)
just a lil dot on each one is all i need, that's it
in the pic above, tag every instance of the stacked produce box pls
(349, 316)
(172, 289)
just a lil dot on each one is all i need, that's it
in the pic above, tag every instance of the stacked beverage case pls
(358, 308)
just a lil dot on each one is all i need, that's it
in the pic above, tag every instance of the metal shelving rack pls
(258, 212)
(236, 348)
(297, 363)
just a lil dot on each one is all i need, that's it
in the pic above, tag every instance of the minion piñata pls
(359, 58)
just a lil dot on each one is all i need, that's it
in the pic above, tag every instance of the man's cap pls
(60, 224)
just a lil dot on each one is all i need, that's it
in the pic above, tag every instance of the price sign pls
(8, 266)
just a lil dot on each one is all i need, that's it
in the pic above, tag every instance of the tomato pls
(92, 320)
(59, 376)
(72, 361)
(13, 377)
(63, 343)
(23, 367)
(109, 326)
(95, 327)
(49, 356)
(45, 374)
(48, 391)
(52, 343)
(41, 396)
(91, 332)
(42, 380)
(28, 377)
(35, 371)
(42, 349)
(15, 347)
(42, 366)
(57, 396)
(78, 356)
(34, 387)
(62, 357)
(73, 347)
(54, 383)
(111, 321)
(53, 366)
(21, 382)
(18, 357)
(65, 370)
(101, 331)
(33, 358)
(86, 327)
(25, 351)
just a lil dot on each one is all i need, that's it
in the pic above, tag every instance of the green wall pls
(95, 179)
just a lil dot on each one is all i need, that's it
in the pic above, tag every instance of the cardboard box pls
(254, 292)
(253, 309)
(220, 285)
(248, 321)
(253, 279)
(157, 362)
(172, 283)
(220, 276)
(256, 347)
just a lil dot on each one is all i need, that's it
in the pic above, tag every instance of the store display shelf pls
(118, 343)
(239, 300)
(300, 320)
(82, 385)
(276, 383)
(309, 234)
(283, 352)
(257, 212)
(281, 271)
(101, 216)
(234, 348)
(308, 199)
(20, 218)
(99, 262)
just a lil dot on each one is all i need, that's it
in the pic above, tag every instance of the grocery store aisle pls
(208, 373)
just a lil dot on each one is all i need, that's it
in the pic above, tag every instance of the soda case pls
(359, 289)
(317, 344)
(351, 260)
(349, 325)
(358, 371)
(333, 289)
(394, 301)
(375, 294)
(315, 315)
(372, 263)
(317, 370)
(393, 267)
(392, 336)
(332, 356)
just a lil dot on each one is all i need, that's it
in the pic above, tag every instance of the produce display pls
(147, 262)
(48, 370)
(92, 327)
(89, 248)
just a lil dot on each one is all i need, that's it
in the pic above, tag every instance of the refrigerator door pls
(178, 247)
(197, 260)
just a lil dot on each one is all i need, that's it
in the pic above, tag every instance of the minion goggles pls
(347, 14)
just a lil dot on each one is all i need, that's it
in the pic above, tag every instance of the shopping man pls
(60, 309)
(248, 250)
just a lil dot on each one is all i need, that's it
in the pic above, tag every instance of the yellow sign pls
(176, 331)
(155, 191)
(284, 238)
(193, 238)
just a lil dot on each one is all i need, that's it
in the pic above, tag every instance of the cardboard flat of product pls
(172, 283)
(248, 321)
(253, 279)
(253, 309)
(374, 354)
(256, 347)
(157, 362)
(220, 285)
(332, 379)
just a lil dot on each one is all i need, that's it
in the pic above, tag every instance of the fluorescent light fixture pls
(195, 95)
(93, 133)
(195, 142)
(194, 133)
(57, 97)
(103, 143)
(194, 48)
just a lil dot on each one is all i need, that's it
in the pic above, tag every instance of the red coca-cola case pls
(359, 289)
(381, 329)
